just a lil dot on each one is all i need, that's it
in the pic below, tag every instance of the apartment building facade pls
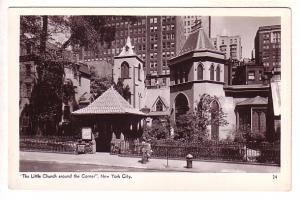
(155, 39)
(230, 45)
(268, 46)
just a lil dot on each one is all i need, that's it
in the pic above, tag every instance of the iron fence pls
(231, 152)
(61, 144)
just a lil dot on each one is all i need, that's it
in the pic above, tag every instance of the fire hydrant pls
(189, 161)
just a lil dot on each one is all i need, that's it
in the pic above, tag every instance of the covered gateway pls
(110, 115)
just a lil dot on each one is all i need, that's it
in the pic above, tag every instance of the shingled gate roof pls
(110, 102)
(197, 40)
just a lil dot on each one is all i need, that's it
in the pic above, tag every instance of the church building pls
(199, 70)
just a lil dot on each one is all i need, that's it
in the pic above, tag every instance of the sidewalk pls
(105, 159)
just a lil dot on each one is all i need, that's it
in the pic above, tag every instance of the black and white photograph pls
(116, 96)
(150, 93)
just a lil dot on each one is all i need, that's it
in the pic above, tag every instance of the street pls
(104, 162)
(45, 166)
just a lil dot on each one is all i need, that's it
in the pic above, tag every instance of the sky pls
(246, 27)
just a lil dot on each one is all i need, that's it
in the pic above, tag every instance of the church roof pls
(127, 50)
(152, 95)
(110, 102)
(197, 40)
(258, 100)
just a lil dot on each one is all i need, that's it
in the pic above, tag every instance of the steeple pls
(127, 49)
(197, 40)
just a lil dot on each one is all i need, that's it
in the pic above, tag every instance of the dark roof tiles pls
(197, 40)
(110, 102)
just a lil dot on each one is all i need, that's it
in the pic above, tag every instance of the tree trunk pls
(44, 35)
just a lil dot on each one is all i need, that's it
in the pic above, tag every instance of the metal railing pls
(231, 152)
(61, 144)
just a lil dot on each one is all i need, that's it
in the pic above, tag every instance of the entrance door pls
(104, 138)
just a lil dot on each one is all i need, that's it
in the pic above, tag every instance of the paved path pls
(105, 159)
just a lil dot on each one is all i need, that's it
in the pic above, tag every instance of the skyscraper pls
(267, 47)
(230, 45)
(155, 39)
(189, 22)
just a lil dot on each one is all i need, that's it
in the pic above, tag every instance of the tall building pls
(189, 22)
(155, 39)
(230, 45)
(267, 47)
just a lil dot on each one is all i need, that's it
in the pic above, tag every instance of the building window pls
(124, 70)
(212, 72)
(28, 89)
(186, 76)
(159, 106)
(258, 121)
(28, 69)
(200, 72)
(28, 49)
(175, 76)
(260, 75)
(218, 71)
(139, 72)
(251, 75)
(164, 80)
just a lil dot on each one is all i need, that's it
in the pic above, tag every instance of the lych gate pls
(110, 116)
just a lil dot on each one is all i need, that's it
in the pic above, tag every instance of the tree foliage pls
(160, 129)
(123, 90)
(193, 126)
(99, 84)
(45, 100)
(49, 91)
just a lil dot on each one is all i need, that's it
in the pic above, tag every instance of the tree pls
(124, 91)
(49, 92)
(99, 84)
(45, 100)
(160, 129)
(193, 126)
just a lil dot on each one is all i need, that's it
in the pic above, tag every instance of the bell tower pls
(197, 70)
(130, 68)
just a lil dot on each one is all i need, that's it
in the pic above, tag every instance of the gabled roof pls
(110, 102)
(197, 40)
(258, 100)
(153, 95)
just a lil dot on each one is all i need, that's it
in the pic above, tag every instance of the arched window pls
(200, 72)
(212, 72)
(175, 76)
(218, 73)
(124, 70)
(139, 72)
(181, 105)
(159, 106)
